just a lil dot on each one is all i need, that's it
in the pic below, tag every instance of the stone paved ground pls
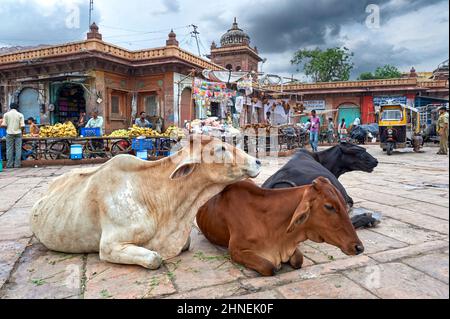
(406, 257)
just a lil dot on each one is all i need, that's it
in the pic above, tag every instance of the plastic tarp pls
(224, 76)
(361, 132)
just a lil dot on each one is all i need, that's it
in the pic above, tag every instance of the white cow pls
(137, 212)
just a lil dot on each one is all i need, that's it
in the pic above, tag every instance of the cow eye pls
(330, 208)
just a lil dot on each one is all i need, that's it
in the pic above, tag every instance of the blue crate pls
(141, 145)
(2, 132)
(90, 132)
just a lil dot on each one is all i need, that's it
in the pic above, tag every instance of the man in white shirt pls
(357, 122)
(96, 122)
(15, 123)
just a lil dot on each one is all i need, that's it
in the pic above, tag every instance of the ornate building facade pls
(235, 52)
(57, 83)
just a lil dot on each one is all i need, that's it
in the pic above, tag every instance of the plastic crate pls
(90, 132)
(141, 145)
(2, 132)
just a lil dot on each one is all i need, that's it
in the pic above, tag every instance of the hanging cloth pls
(223, 76)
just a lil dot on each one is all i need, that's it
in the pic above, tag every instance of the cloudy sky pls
(407, 33)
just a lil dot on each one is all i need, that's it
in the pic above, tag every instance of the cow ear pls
(185, 169)
(319, 181)
(301, 215)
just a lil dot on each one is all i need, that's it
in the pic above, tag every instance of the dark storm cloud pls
(26, 23)
(281, 25)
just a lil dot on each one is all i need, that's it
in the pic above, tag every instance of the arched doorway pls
(349, 112)
(185, 106)
(29, 104)
(70, 103)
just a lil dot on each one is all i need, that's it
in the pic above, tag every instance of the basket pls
(90, 132)
(2, 132)
(141, 145)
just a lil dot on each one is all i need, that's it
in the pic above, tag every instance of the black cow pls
(305, 167)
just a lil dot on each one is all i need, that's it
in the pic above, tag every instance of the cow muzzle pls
(354, 250)
(253, 168)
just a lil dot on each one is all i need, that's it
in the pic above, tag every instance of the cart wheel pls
(58, 150)
(121, 147)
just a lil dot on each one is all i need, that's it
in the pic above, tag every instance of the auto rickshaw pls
(399, 127)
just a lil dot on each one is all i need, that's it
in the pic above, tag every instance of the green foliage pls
(385, 72)
(331, 65)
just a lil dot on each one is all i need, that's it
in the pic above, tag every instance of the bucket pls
(76, 152)
(142, 155)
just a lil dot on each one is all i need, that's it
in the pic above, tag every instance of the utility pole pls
(91, 9)
(195, 34)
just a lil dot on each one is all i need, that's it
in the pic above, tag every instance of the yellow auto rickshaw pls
(399, 126)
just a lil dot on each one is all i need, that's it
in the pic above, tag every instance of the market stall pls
(59, 141)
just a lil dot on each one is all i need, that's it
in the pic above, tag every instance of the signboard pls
(319, 105)
(378, 101)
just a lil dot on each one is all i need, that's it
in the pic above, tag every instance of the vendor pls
(142, 121)
(34, 129)
(96, 122)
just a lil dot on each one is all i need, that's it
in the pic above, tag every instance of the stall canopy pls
(224, 76)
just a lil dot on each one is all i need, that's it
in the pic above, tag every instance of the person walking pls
(442, 128)
(330, 131)
(314, 131)
(343, 131)
(14, 122)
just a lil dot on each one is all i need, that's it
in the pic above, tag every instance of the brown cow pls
(263, 227)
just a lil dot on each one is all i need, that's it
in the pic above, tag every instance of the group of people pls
(314, 124)
(14, 122)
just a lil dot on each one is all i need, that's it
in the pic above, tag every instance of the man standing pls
(15, 123)
(314, 131)
(442, 128)
(142, 122)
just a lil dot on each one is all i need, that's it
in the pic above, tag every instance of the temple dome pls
(235, 36)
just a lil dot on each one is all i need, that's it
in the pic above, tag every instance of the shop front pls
(349, 113)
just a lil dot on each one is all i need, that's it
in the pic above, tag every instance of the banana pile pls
(136, 131)
(120, 133)
(58, 131)
(175, 132)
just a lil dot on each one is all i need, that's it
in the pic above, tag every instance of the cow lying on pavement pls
(262, 228)
(305, 167)
(137, 212)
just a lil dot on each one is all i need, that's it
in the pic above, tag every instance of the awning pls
(58, 78)
(224, 76)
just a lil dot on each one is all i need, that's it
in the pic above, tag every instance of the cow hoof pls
(154, 261)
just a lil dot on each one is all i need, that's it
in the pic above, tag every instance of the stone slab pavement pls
(406, 256)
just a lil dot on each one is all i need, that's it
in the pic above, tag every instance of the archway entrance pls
(349, 112)
(70, 103)
(29, 104)
(185, 106)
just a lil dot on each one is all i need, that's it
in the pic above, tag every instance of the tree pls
(334, 64)
(385, 72)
